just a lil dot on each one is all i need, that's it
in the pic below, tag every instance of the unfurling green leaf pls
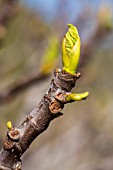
(76, 97)
(71, 50)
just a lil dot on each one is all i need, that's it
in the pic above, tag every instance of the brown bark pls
(18, 140)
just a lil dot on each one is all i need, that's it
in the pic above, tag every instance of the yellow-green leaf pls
(71, 50)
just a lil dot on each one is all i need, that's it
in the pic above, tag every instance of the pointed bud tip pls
(72, 27)
(85, 95)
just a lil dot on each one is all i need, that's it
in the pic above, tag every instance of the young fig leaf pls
(71, 50)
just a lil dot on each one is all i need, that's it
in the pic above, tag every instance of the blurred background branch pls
(49, 62)
(24, 84)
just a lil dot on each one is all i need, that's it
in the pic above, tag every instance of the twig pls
(18, 140)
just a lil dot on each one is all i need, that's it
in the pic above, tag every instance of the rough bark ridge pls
(18, 140)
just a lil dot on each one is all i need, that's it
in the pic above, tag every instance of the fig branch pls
(18, 139)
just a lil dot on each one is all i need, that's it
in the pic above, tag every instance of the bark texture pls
(18, 140)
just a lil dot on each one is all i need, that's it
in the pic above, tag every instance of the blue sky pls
(49, 8)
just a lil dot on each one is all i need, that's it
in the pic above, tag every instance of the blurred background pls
(31, 32)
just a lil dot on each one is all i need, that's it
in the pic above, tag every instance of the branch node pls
(65, 80)
(60, 97)
(55, 107)
(8, 144)
(14, 134)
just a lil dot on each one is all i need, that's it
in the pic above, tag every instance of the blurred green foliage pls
(50, 57)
